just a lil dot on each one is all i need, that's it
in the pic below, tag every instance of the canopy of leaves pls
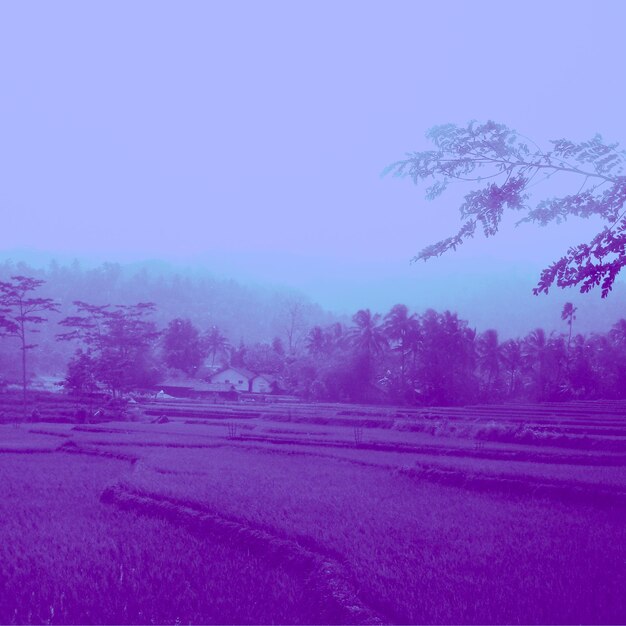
(502, 167)
(19, 309)
(118, 340)
(182, 347)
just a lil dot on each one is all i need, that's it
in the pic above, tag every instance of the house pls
(265, 383)
(239, 377)
(245, 380)
(190, 388)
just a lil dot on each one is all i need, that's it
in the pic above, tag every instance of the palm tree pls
(488, 349)
(337, 335)
(534, 354)
(367, 335)
(511, 356)
(317, 341)
(216, 344)
(400, 328)
(568, 315)
(367, 338)
(544, 356)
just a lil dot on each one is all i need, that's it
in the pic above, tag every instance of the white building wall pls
(261, 385)
(233, 377)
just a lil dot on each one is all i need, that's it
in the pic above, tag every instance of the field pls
(286, 512)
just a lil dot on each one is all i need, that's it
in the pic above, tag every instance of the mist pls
(249, 144)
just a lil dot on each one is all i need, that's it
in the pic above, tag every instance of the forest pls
(109, 329)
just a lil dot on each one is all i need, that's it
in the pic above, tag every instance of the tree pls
(118, 342)
(238, 355)
(368, 339)
(277, 346)
(216, 344)
(544, 358)
(262, 358)
(568, 314)
(19, 311)
(512, 359)
(618, 333)
(293, 318)
(489, 357)
(502, 167)
(182, 347)
(80, 378)
(317, 341)
(445, 372)
(401, 330)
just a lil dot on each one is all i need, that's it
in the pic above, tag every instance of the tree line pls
(402, 357)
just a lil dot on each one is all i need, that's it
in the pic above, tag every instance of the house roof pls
(190, 384)
(272, 380)
(240, 370)
(213, 387)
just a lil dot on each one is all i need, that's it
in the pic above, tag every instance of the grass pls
(218, 513)
(67, 558)
(419, 552)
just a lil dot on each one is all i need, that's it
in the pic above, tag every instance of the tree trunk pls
(23, 338)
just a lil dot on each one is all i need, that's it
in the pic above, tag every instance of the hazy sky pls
(186, 129)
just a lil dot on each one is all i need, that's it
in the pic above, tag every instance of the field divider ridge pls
(337, 600)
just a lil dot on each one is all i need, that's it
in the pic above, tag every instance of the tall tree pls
(502, 165)
(568, 315)
(489, 357)
(263, 359)
(118, 341)
(182, 346)
(19, 312)
(293, 319)
(544, 358)
(446, 361)
(512, 359)
(400, 328)
(317, 341)
(80, 378)
(215, 344)
(368, 340)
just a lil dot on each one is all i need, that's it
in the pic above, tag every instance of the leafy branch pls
(503, 165)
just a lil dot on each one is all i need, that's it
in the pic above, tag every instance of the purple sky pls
(181, 131)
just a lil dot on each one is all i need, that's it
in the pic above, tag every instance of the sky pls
(250, 136)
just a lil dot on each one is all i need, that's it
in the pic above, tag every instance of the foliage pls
(215, 344)
(446, 358)
(403, 333)
(503, 166)
(182, 347)
(19, 312)
(489, 361)
(80, 378)
(118, 341)
(262, 358)
(293, 318)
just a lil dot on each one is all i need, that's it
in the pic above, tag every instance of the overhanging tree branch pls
(486, 152)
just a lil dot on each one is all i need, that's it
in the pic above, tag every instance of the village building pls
(265, 383)
(190, 388)
(239, 377)
(246, 381)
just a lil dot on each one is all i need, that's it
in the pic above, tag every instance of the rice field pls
(317, 514)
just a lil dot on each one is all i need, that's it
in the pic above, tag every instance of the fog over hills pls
(497, 295)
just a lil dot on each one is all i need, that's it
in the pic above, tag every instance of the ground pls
(317, 513)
